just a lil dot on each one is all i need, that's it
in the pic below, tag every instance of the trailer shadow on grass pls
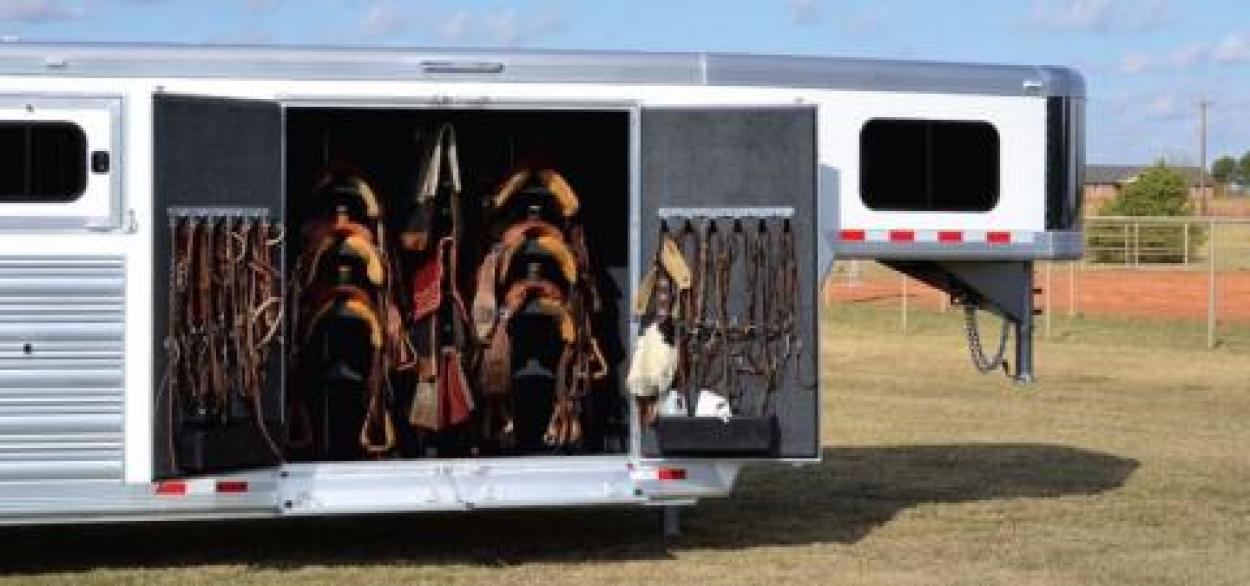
(841, 500)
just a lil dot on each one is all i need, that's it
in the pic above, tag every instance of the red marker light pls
(671, 474)
(852, 235)
(998, 237)
(902, 235)
(171, 488)
(231, 486)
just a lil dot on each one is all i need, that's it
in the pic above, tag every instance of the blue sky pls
(1148, 62)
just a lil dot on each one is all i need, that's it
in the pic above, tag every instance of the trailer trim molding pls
(534, 66)
(955, 245)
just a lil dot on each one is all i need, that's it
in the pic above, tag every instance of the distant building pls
(1104, 182)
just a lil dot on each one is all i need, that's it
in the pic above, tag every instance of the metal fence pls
(1192, 271)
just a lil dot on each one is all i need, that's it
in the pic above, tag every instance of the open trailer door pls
(217, 164)
(735, 188)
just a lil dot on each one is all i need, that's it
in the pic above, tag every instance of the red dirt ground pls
(1145, 294)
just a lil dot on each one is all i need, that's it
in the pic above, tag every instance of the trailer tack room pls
(243, 281)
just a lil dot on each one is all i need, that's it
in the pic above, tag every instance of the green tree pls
(1224, 170)
(1159, 191)
(1243, 170)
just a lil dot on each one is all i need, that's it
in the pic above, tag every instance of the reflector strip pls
(231, 486)
(671, 474)
(902, 235)
(907, 236)
(171, 488)
(852, 235)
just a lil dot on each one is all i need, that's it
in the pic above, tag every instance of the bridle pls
(224, 319)
(751, 259)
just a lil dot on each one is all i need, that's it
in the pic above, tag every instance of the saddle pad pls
(485, 305)
(427, 290)
(454, 393)
(495, 371)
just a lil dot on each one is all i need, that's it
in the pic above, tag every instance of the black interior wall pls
(590, 148)
(751, 157)
(209, 152)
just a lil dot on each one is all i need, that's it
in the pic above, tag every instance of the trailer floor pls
(1127, 464)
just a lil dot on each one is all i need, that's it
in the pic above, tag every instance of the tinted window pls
(42, 162)
(928, 165)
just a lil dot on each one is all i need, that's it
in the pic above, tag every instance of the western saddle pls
(386, 316)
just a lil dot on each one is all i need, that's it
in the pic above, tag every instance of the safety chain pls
(984, 364)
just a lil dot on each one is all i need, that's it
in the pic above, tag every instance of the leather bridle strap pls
(175, 338)
(225, 311)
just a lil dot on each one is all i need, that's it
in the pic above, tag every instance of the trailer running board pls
(466, 484)
(392, 486)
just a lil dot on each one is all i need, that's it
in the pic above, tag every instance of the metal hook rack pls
(715, 213)
(240, 213)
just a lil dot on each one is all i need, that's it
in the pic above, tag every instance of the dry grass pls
(1128, 464)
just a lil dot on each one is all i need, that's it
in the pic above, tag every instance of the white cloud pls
(503, 27)
(383, 19)
(507, 27)
(1134, 62)
(261, 5)
(1165, 105)
(1142, 125)
(868, 22)
(1100, 15)
(248, 36)
(1189, 55)
(1232, 49)
(36, 11)
(452, 24)
(805, 12)
(454, 28)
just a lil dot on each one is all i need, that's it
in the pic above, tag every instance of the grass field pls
(1127, 464)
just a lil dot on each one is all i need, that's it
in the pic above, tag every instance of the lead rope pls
(173, 347)
(694, 319)
(263, 316)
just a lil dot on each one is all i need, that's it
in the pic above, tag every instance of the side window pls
(42, 162)
(929, 165)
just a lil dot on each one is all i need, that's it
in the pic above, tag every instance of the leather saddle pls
(345, 334)
(346, 258)
(341, 188)
(346, 327)
(530, 182)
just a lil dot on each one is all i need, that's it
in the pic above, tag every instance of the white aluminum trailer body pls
(77, 403)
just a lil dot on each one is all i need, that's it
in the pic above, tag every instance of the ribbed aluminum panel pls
(62, 324)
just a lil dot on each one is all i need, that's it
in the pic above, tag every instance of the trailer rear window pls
(929, 165)
(42, 162)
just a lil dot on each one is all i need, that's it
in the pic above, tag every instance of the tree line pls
(1228, 169)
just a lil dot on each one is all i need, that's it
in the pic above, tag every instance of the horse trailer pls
(268, 282)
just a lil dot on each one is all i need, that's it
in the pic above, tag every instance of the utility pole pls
(1206, 211)
(1202, 156)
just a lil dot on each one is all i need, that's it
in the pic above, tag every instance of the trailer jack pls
(1004, 288)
